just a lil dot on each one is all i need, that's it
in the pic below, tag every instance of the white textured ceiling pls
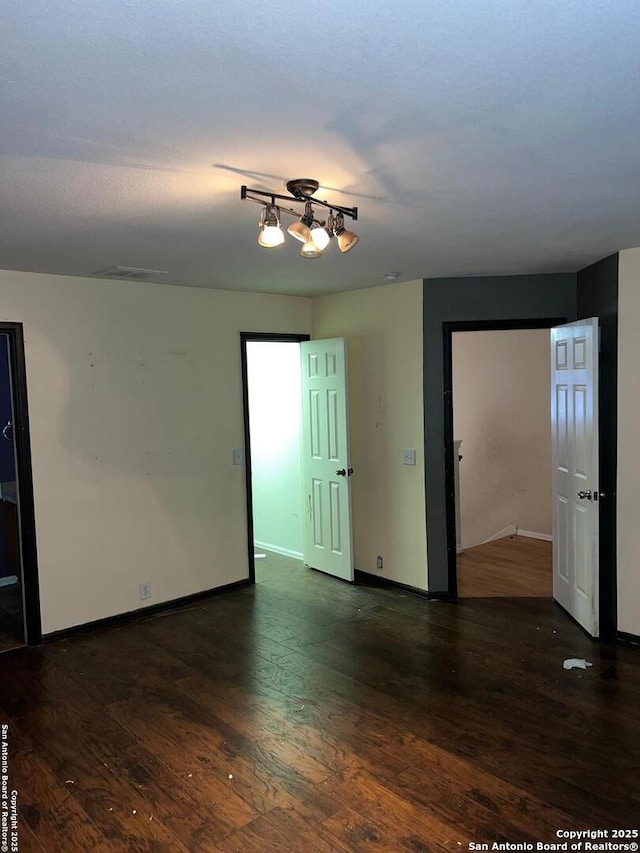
(476, 137)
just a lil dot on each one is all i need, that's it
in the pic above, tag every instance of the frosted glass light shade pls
(346, 240)
(300, 231)
(320, 237)
(270, 236)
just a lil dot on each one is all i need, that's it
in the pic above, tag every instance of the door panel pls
(574, 433)
(325, 442)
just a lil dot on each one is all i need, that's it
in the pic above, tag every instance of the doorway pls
(19, 595)
(271, 375)
(449, 329)
(502, 462)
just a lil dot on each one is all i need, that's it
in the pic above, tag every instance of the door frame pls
(448, 328)
(245, 338)
(26, 508)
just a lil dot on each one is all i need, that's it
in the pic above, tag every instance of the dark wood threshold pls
(625, 637)
(376, 580)
(144, 612)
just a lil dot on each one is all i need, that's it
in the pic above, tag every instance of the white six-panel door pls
(325, 458)
(574, 438)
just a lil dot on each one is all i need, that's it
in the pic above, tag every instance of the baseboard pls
(628, 638)
(530, 534)
(9, 580)
(377, 580)
(506, 531)
(144, 612)
(285, 552)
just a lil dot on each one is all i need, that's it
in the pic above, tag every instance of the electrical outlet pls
(408, 457)
(145, 590)
(379, 563)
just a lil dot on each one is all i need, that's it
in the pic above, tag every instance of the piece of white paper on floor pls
(576, 663)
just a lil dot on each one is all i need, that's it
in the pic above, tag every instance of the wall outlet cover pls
(145, 590)
(408, 457)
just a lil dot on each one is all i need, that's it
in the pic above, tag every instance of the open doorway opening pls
(273, 412)
(502, 446)
(12, 628)
(19, 595)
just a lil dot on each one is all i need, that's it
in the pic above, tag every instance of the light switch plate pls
(238, 456)
(408, 457)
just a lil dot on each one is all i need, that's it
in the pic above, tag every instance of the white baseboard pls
(266, 546)
(8, 581)
(506, 531)
(530, 534)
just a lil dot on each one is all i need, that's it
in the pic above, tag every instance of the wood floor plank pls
(508, 567)
(399, 818)
(47, 805)
(306, 714)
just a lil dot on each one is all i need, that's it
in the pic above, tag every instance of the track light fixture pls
(270, 234)
(346, 239)
(301, 230)
(315, 234)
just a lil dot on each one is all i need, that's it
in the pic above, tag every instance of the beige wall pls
(501, 414)
(135, 407)
(628, 505)
(383, 330)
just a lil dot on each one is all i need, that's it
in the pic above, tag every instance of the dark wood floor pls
(514, 566)
(306, 714)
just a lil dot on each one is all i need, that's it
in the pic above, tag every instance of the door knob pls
(585, 495)
(341, 472)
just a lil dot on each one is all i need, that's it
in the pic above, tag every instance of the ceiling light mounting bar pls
(288, 210)
(298, 198)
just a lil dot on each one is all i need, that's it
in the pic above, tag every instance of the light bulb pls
(310, 250)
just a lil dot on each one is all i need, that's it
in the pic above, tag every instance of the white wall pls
(628, 534)
(135, 401)
(502, 415)
(274, 381)
(383, 330)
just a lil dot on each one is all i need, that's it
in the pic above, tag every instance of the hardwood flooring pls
(513, 566)
(306, 714)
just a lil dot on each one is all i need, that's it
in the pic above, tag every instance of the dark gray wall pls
(598, 297)
(491, 298)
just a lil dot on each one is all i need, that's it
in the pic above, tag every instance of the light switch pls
(238, 456)
(408, 457)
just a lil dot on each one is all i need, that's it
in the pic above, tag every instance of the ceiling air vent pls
(135, 273)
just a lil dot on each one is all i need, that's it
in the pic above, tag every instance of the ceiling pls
(477, 137)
